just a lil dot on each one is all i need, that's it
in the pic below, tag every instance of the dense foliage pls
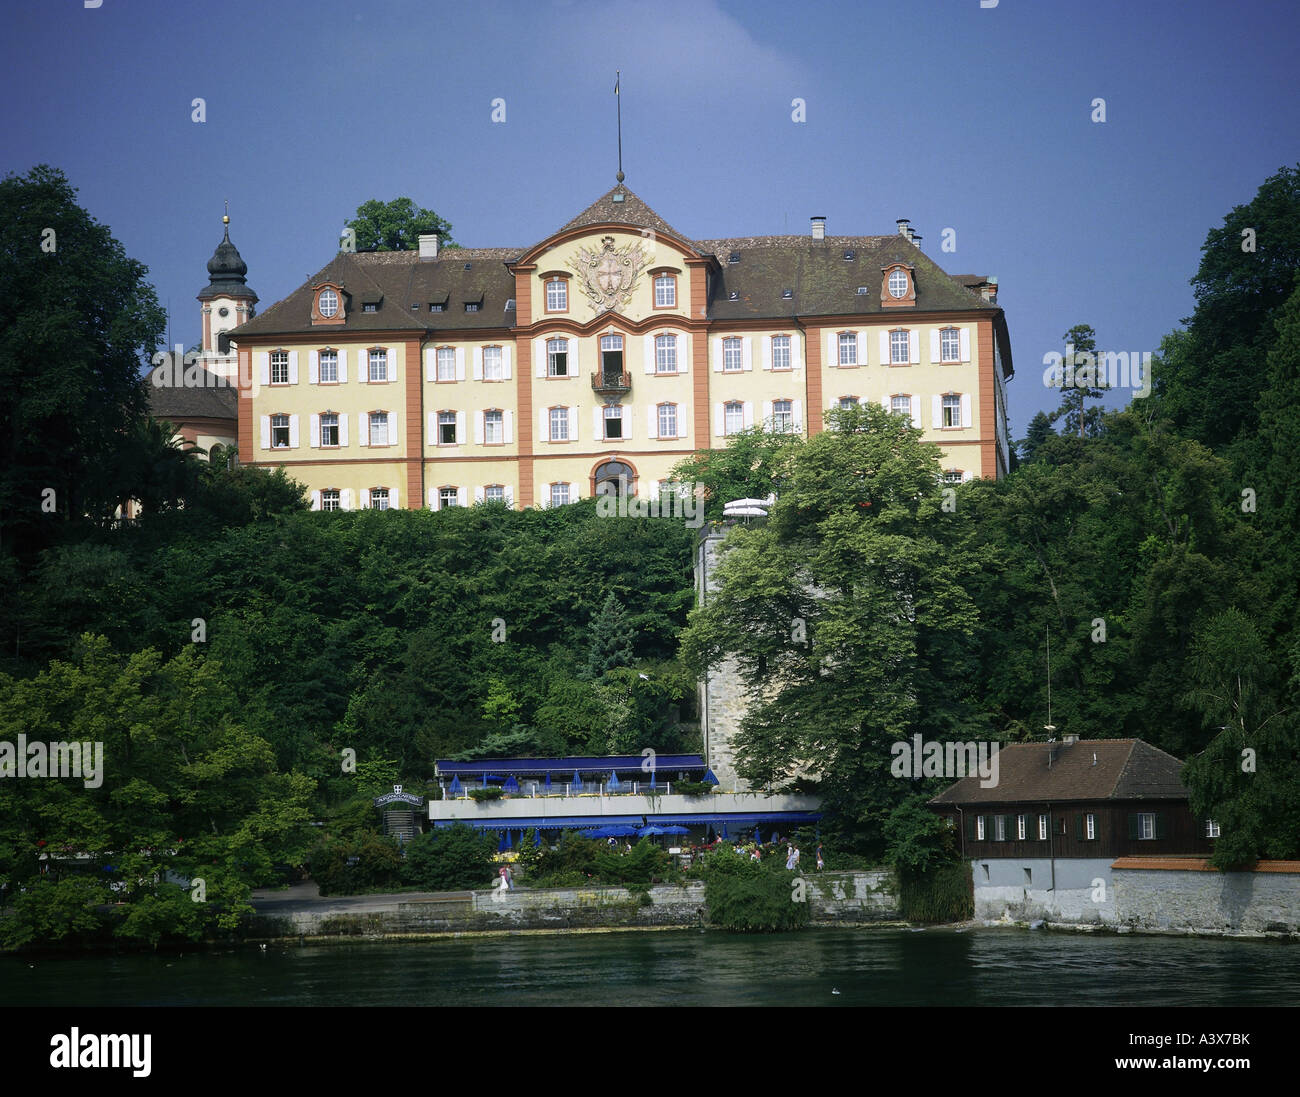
(747, 896)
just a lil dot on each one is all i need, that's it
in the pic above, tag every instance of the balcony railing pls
(611, 384)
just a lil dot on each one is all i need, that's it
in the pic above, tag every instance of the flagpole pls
(618, 100)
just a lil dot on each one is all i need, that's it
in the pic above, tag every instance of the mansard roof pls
(1088, 769)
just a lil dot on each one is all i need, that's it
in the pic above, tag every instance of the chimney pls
(1071, 738)
(429, 246)
(819, 228)
(990, 293)
(904, 228)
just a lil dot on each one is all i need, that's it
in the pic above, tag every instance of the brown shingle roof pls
(1125, 769)
(630, 211)
(216, 400)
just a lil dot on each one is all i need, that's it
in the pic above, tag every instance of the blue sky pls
(938, 110)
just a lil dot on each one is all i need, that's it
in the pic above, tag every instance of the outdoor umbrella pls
(511, 785)
(652, 778)
(613, 781)
(501, 845)
(509, 844)
(537, 834)
(577, 782)
(708, 778)
(758, 837)
(548, 784)
(644, 831)
(674, 830)
(455, 788)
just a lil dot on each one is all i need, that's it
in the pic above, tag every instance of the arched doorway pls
(615, 478)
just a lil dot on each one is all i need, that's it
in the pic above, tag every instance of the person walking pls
(796, 858)
(789, 858)
(821, 864)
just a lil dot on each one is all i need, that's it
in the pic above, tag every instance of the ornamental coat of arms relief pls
(607, 274)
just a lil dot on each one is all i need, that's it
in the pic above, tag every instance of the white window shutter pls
(365, 498)
(965, 476)
(430, 363)
(767, 351)
(462, 497)
(683, 352)
(266, 432)
(884, 347)
(363, 366)
(797, 408)
(625, 414)
(887, 403)
(433, 498)
(652, 490)
(648, 342)
(394, 499)
(505, 362)
(746, 359)
(544, 425)
(863, 338)
(315, 500)
(936, 412)
(719, 421)
(508, 426)
(392, 363)
(313, 367)
(652, 421)
(363, 428)
(719, 356)
(681, 422)
(393, 434)
(460, 363)
(264, 365)
(749, 414)
(293, 432)
(510, 495)
(343, 366)
(313, 436)
(914, 345)
(914, 402)
(573, 424)
(597, 427)
(965, 409)
(832, 348)
(539, 357)
(460, 428)
(796, 351)
(343, 430)
(573, 359)
(934, 345)
(478, 428)
(767, 414)
(478, 363)
(433, 428)
(478, 495)
(965, 345)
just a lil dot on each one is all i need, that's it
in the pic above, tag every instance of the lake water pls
(880, 967)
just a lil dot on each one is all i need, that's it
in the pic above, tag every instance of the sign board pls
(398, 796)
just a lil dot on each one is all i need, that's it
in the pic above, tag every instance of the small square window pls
(435, 306)
(734, 257)
(471, 306)
(369, 308)
(787, 295)
(329, 499)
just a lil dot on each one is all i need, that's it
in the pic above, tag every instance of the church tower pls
(226, 302)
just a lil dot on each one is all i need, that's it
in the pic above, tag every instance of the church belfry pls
(226, 301)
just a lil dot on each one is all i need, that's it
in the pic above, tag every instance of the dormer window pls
(734, 257)
(471, 306)
(897, 284)
(369, 306)
(850, 255)
(435, 306)
(787, 295)
(328, 303)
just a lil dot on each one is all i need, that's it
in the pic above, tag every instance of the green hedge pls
(943, 893)
(746, 896)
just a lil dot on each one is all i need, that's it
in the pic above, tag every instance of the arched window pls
(615, 478)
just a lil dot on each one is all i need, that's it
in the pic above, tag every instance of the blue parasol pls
(577, 782)
(548, 783)
(652, 778)
(708, 778)
(511, 785)
(455, 788)
(537, 834)
(501, 845)
(613, 781)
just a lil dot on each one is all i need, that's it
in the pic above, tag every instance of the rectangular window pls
(559, 424)
(949, 345)
(1022, 827)
(492, 364)
(494, 428)
(999, 828)
(665, 354)
(379, 428)
(447, 497)
(733, 356)
(848, 348)
(1211, 828)
(665, 292)
(446, 363)
(1146, 827)
(900, 349)
(436, 306)
(613, 422)
(559, 494)
(557, 295)
(951, 411)
(494, 493)
(1090, 826)
(446, 428)
(471, 306)
(952, 476)
(781, 352)
(901, 405)
(847, 402)
(379, 365)
(734, 418)
(329, 499)
(1042, 828)
(280, 368)
(557, 358)
(782, 416)
(979, 828)
(611, 355)
(667, 420)
(329, 430)
(1029, 876)
(279, 431)
(329, 367)
(378, 498)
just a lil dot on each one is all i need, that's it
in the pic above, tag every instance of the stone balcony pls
(611, 384)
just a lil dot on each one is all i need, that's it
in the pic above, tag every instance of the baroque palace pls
(599, 357)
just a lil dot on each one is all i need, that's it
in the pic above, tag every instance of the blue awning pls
(583, 822)
(538, 767)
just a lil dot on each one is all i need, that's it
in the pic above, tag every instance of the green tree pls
(1040, 430)
(451, 858)
(77, 321)
(611, 639)
(752, 466)
(1082, 380)
(396, 226)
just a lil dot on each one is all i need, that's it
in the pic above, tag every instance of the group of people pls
(791, 854)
